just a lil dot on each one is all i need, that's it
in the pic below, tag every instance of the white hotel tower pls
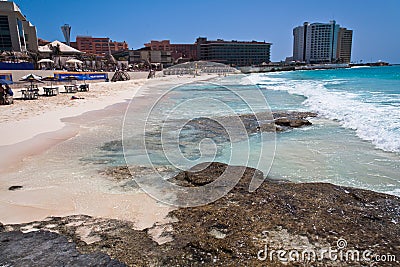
(322, 43)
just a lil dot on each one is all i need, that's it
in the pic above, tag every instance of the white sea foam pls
(379, 124)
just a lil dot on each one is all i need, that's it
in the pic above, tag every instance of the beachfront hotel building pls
(322, 43)
(345, 40)
(99, 46)
(16, 32)
(185, 52)
(233, 53)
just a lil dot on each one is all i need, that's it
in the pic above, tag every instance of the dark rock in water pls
(293, 119)
(123, 173)
(294, 114)
(252, 122)
(294, 123)
(234, 229)
(233, 128)
(114, 146)
(220, 129)
(15, 187)
(194, 177)
(44, 248)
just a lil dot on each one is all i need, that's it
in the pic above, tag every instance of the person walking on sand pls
(2, 95)
(9, 91)
(6, 95)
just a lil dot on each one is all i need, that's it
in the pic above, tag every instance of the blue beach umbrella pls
(4, 81)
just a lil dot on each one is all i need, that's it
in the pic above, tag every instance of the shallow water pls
(328, 151)
(355, 141)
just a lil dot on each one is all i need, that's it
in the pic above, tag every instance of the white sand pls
(21, 120)
(29, 128)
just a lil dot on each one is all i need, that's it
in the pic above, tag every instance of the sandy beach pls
(30, 128)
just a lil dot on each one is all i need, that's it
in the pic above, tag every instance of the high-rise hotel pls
(16, 32)
(322, 43)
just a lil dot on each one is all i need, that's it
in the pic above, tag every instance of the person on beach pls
(6, 95)
(2, 94)
(9, 91)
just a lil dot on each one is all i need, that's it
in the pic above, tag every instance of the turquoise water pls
(366, 100)
(356, 139)
(353, 142)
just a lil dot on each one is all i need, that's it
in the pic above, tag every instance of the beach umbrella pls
(32, 78)
(73, 61)
(4, 81)
(46, 60)
(50, 79)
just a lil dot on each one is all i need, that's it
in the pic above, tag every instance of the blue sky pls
(375, 23)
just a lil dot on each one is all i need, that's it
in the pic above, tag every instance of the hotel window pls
(5, 35)
(21, 33)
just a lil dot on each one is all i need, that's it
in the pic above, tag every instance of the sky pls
(375, 23)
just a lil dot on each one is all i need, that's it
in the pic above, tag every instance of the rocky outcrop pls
(294, 119)
(216, 127)
(234, 229)
(275, 121)
(44, 248)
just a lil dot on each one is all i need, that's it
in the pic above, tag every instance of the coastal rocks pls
(234, 229)
(275, 121)
(193, 177)
(116, 238)
(208, 172)
(294, 123)
(225, 129)
(186, 135)
(43, 248)
(123, 173)
(295, 119)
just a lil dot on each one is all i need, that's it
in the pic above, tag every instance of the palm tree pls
(110, 62)
(34, 58)
(55, 53)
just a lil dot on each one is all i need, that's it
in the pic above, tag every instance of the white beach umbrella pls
(73, 61)
(46, 60)
(31, 76)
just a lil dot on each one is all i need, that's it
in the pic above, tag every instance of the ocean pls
(355, 140)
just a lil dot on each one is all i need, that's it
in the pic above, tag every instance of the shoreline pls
(32, 143)
(35, 130)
